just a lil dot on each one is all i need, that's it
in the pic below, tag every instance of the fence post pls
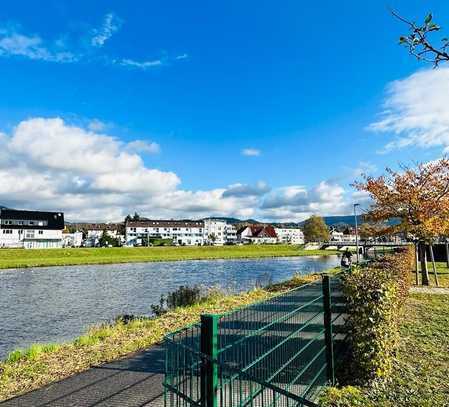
(209, 369)
(328, 330)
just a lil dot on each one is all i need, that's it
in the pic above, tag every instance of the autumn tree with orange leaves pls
(418, 198)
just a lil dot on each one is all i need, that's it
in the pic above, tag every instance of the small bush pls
(375, 295)
(184, 296)
(125, 319)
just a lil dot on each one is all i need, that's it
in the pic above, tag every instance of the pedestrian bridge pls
(365, 244)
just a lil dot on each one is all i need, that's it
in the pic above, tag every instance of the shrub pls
(184, 296)
(375, 295)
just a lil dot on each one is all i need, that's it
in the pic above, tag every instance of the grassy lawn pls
(15, 258)
(422, 365)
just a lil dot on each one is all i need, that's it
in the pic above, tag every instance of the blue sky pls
(257, 109)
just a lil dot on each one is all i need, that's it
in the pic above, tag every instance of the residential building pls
(74, 239)
(348, 237)
(180, 232)
(290, 235)
(231, 234)
(336, 236)
(218, 232)
(31, 229)
(94, 231)
(257, 234)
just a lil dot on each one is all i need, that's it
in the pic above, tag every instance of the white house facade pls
(290, 235)
(74, 239)
(258, 234)
(31, 229)
(180, 232)
(219, 232)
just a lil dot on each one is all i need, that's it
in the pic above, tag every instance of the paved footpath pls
(430, 290)
(130, 382)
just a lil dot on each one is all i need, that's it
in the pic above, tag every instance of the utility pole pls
(356, 231)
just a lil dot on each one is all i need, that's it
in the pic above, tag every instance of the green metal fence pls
(279, 352)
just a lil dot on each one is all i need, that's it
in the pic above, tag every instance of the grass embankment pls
(422, 363)
(43, 364)
(15, 258)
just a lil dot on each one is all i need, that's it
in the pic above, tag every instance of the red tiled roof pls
(260, 231)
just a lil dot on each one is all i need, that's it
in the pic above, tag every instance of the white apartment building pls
(219, 232)
(290, 235)
(181, 232)
(31, 229)
(231, 234)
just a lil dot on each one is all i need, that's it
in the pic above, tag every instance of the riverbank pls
(39, 365)
(21, 258)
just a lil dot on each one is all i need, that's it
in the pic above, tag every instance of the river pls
(57, 304)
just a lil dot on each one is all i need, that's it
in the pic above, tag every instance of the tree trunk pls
(447, 254)
(424, 269)
(416, 264)
(432, 257)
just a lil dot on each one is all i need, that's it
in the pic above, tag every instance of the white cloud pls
(298, 202)
(14, 43)
(142, 146)
(243, 190)
(251, 152)
(111, 24)
(50, 164)
(416, 111)
(141, 65)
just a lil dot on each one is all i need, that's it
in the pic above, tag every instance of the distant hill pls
(234, 221)
(341, 220)
(347, 220)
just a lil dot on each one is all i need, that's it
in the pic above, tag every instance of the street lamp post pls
(356, 232)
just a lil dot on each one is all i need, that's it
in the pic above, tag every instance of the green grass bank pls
(19, 258)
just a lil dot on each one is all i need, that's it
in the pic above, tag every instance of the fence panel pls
(279, 352)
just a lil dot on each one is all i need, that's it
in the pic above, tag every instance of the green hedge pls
(375, 295)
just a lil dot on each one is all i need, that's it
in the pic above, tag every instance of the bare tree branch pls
(418, 42)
